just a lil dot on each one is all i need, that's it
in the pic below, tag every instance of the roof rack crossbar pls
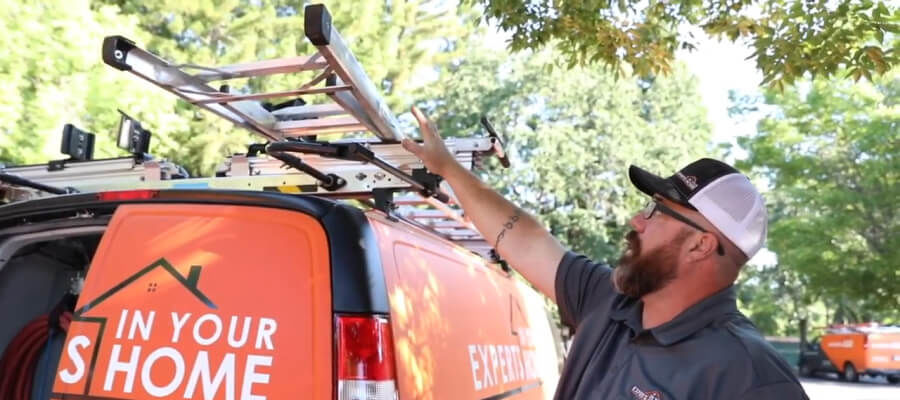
(360, 153)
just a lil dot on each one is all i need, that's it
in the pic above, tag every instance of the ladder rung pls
(262, 68)
(451, 213)
(308, 111)
(409, 201)
(427, 214)
(258, 96)
(319, 126)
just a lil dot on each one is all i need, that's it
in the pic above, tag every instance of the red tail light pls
(126, 195)
(365, 358)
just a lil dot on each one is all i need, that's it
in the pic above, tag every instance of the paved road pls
(830, 388)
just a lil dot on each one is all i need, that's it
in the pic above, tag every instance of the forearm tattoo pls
(510, 223)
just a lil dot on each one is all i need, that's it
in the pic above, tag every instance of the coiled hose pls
(17, 367)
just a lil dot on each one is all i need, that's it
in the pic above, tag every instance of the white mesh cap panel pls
(736, 208)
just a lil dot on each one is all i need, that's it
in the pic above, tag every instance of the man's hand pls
(519, 238)
(432, 152)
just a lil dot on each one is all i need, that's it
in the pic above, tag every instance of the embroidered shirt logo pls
(690, 181)
(648, 395)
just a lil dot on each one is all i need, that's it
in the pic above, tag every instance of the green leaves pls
(830, 152)
(572, 134)
(792, 38)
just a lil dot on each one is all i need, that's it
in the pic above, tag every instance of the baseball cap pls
(723, 195)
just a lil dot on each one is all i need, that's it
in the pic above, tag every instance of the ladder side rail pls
(122, 54)
(319, 31)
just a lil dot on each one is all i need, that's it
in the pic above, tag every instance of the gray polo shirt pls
(709, 351)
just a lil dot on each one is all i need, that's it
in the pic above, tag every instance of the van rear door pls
(203, 301)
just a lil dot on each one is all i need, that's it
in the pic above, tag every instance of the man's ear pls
(702, 246)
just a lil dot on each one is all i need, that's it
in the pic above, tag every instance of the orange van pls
(854, 350)
(197, 294)
(127, 279)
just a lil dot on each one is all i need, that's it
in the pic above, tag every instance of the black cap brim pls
(652, 184)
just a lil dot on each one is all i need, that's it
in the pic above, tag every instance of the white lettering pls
(483, 352)
(117, 366)
(474, 366)
(138, 322)
(72, 350)
(211, 385)
(503, 364)
(218, 330)
(121, 326)
(177, 324)
(267, 327)
(237, 343)
(517, 355)
(493, 351)
(162, 391)
(510, 363)
(251, 376)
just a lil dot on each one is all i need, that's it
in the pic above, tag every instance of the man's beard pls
(637, 275)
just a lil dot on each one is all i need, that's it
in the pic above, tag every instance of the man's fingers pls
(411, 146)
(419, 116)
(426, 126)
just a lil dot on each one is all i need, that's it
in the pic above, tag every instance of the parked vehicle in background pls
(854, 350)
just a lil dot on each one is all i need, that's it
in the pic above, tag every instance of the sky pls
(721, 66)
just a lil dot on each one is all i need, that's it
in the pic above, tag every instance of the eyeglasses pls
(653, 206)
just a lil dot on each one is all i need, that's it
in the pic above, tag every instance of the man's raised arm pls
(516, 235)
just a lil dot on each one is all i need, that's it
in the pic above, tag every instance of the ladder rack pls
(291, 161)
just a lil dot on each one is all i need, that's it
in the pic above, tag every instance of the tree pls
(51, 74)
(573, 135)
(791, 37)
(830, 152)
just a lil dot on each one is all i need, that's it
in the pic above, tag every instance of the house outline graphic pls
(189, 283)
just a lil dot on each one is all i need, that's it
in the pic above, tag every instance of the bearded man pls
(664, 323)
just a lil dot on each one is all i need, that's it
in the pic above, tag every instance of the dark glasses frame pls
(654, 205)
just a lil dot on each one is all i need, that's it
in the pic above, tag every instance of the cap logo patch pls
(689, 181)
(648, 395)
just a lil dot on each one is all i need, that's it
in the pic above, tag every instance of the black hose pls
(19, 181)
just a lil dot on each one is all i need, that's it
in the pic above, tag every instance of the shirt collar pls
(688, 322)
